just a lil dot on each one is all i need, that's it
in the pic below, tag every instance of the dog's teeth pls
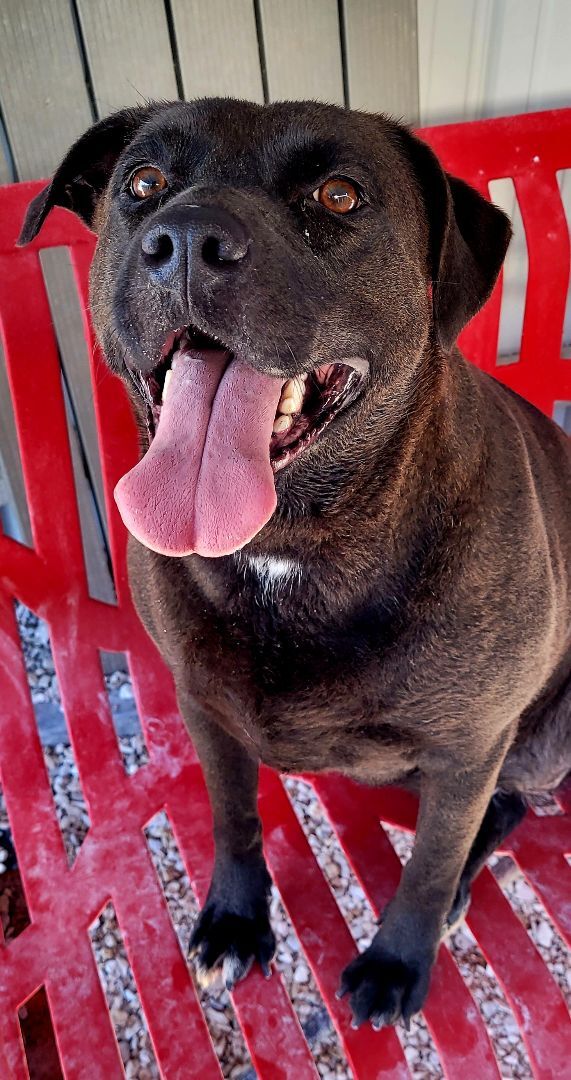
(282, 424)
(288, 406)
(166, 383)
(291, 400)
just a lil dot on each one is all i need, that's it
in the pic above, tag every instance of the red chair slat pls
(450, 1012)
(92, 1038)
(12, 1057)
(540, 854)
(530, 989)
(113, 862)
(266, 1016)
(321, 930)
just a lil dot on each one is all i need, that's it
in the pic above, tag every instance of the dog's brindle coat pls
(405, 614)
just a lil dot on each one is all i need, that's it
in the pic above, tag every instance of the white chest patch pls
(273, 572)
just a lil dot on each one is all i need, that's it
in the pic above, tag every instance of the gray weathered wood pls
(66, 316)
(98, 577)
(42, 89)
(218, 48)
(128, 52)
(10, 455)
(303, 49)
(6, 175)
(5, 491)
(382, 57)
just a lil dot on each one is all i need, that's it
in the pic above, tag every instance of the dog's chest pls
(305, 691)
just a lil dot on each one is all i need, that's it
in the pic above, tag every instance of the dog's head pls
(267, 280)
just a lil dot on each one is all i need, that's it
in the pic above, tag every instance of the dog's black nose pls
(189, 239)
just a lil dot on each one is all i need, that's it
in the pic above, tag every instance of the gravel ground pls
(124, 1004)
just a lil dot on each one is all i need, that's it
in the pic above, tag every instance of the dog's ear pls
(85, 171)
(468, 240)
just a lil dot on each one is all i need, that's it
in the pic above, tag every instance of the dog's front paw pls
(224, 945)
(384, 988)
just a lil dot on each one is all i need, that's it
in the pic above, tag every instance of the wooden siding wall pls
(65, 63)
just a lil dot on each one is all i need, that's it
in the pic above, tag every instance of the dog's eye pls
(338, 195)
(147, 181)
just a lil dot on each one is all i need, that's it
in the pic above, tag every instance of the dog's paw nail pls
(355, 1025)
(377, 1025)
(234, 969)
(266, 970)
(207, 978)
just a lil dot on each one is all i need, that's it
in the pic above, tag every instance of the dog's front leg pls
(233, 928)
(390, 980)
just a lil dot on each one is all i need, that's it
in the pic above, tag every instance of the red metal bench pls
(54, 950)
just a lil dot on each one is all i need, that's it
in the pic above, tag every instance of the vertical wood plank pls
(6, 176)
(42, 89)
(510, 59)
(382, 56)
(302, 48)
(5, 173)
(551, 70)
(128, 50)
(10, 458)
(98, 577)
(453, 44)
(218, 48)
(66, 316)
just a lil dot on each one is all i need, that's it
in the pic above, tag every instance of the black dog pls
(352, 547)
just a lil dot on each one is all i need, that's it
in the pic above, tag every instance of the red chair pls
(54, 950)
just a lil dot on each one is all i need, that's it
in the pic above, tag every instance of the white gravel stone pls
(544, 934)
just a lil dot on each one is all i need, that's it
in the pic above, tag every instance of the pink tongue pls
(205, 484)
